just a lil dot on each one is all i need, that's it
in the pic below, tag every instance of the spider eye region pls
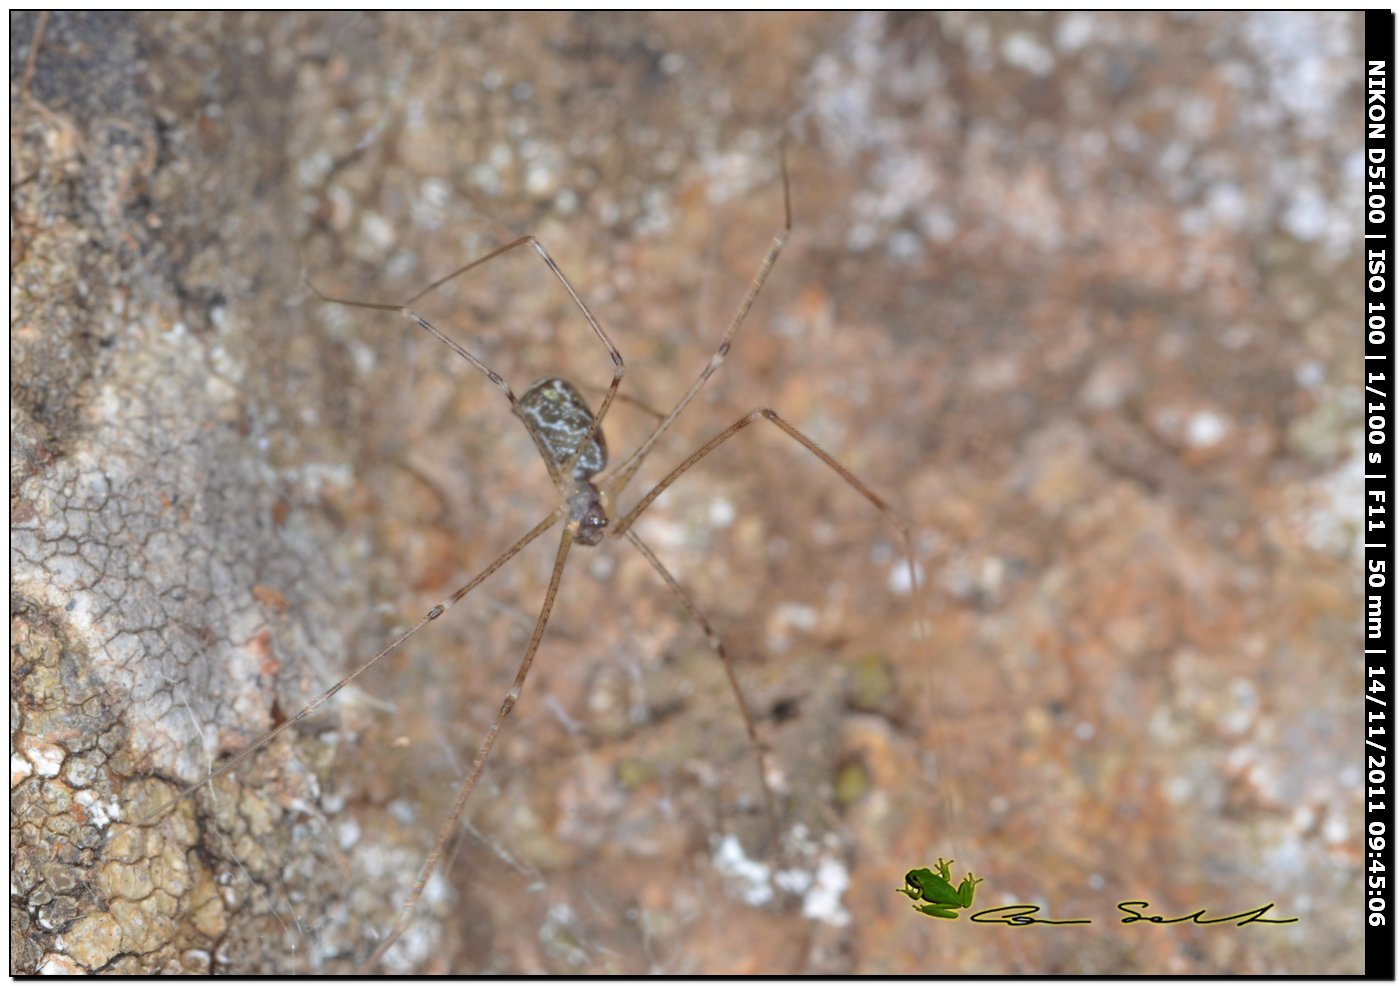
(559, 418)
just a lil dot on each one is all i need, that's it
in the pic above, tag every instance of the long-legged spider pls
(570, 440)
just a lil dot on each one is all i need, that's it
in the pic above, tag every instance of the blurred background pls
(1075, 292)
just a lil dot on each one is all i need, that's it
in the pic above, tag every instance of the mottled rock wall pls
(1074, 291)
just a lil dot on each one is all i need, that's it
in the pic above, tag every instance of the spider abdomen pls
(558, 419)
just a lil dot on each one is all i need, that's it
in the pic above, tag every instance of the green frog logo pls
(943, 899)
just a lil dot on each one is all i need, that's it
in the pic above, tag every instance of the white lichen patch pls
(98, 813)
(47, 758)
(20, 768)
(80, 772)
(54, 964)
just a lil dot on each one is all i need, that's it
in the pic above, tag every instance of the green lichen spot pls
(872, 683)
(852, 782)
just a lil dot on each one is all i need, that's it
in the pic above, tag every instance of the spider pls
(571, 442)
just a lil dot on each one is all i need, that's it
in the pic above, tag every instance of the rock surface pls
(1074, 292)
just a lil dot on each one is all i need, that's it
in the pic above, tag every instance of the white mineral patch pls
(1076, 30)
(1205, 428)
(1335, 829)
(377, 230)
(898, 580)
(1024, 51)
(823, 901)
(1310, 374)
(402, 811)
(754, 880)
(786, 618)
(347, 834)
(749, 876)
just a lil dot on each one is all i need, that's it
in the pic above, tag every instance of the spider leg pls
(326, 696)
(717, 645)
(624, 473)
(406, 310)
(512, 696)
(768, 414)
(33, 57)
(642, 406)
(897, 520)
